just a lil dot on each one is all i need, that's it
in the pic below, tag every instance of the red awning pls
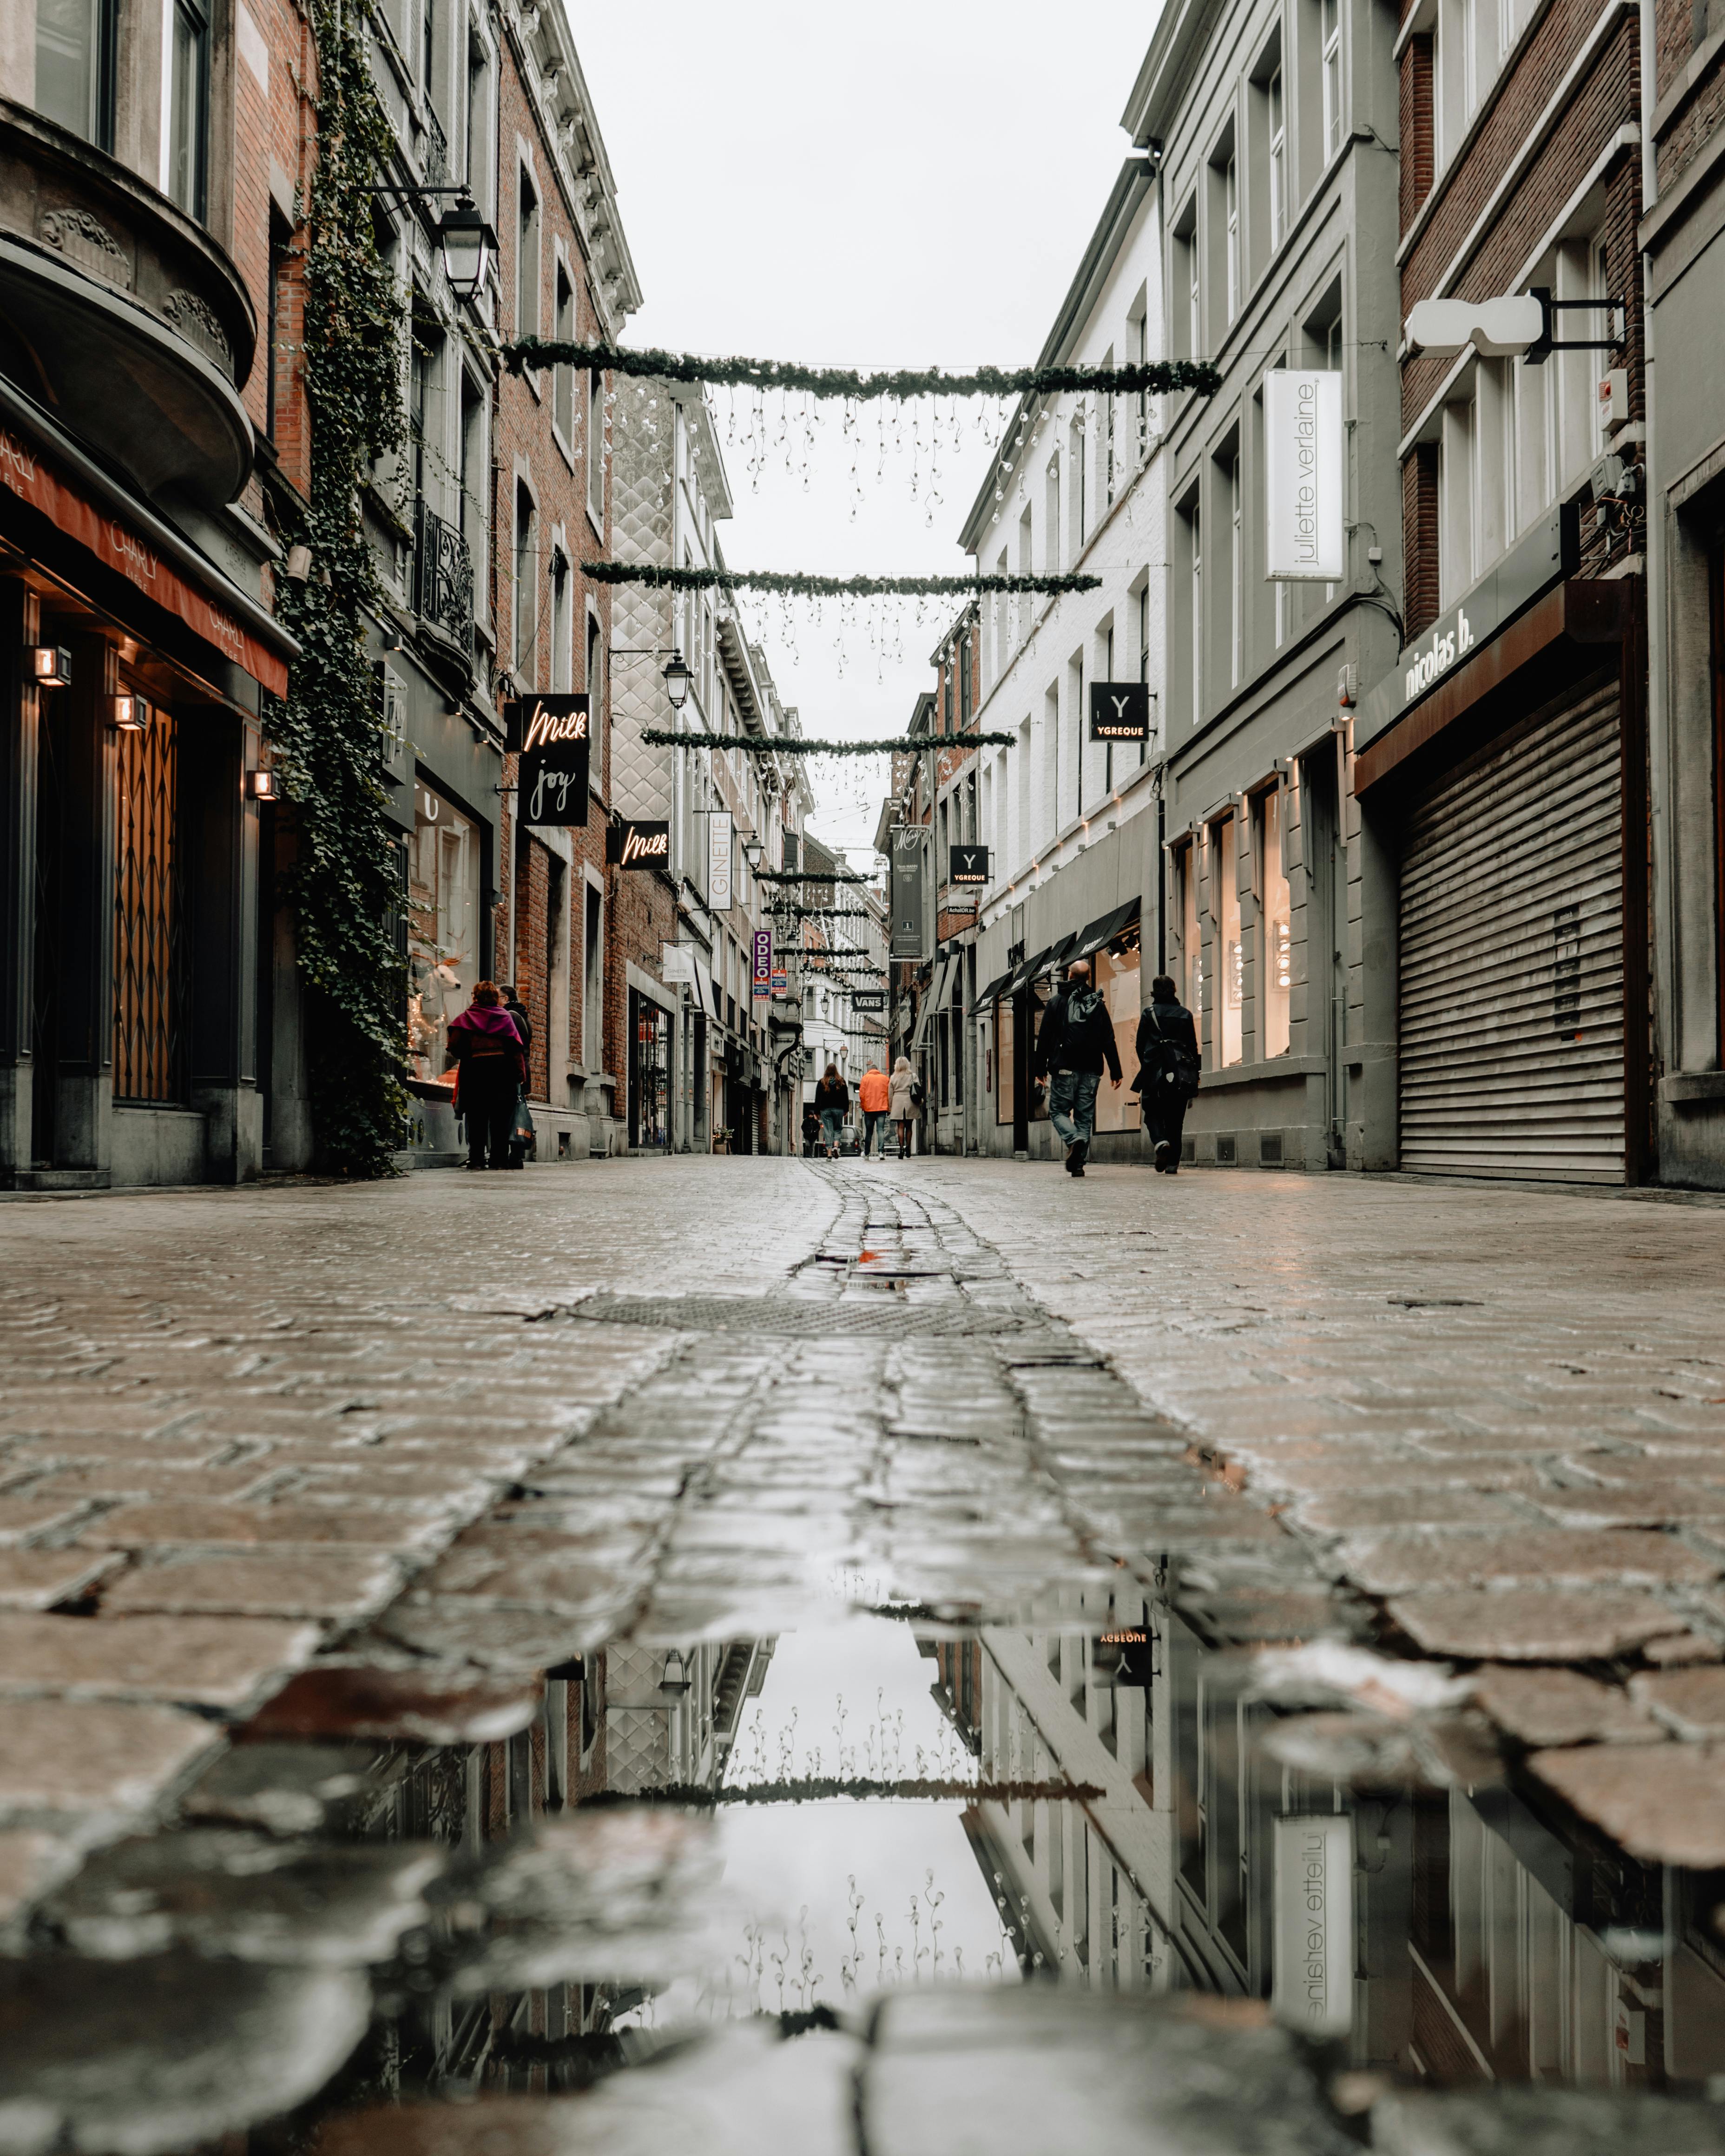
(26, 473)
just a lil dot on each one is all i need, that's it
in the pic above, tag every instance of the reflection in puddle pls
(678, 1835)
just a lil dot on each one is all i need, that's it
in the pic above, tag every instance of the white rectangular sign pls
(1312, 1978)
(720, 834)
(1305, 476)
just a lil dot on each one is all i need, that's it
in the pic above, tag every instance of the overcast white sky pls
(905, 183)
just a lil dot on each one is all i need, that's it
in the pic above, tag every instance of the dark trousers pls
(489, 1105)
(1165, 1115)
(874, 1128)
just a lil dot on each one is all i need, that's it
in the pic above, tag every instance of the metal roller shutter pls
(1511, 958)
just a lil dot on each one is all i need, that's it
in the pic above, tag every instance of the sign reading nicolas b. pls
(552, 736)
(1119, 711)
(631, 845)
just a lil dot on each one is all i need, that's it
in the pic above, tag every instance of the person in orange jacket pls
(871, 1094)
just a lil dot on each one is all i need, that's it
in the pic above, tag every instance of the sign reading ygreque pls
(1119, 711)
(551, 735)
(631, 845)
(1305, 476)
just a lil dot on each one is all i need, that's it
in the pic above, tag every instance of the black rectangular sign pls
(868, 999)
(635, 845)
(1119, 711)
(967, 864)
(910, 926)
(550, 734)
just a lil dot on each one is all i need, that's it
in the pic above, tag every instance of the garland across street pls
(666, 737)
(1161, 375)
(796, 584)
(808, 875)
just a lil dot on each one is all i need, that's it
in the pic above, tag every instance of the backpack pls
(1176, 1064)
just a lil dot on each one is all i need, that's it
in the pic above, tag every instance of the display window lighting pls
(130, 713)
(48, 665)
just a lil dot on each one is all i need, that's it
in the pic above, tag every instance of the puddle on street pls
(667, 1836)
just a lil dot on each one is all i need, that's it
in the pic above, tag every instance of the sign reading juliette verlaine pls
(634, 845)
(1119, 711)
(550, 735)
(1304, 481)
(1311, 1979)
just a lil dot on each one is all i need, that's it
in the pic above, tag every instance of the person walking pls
(491, 1069)
(1168, 1066)
(811, 1130)
(901, 1091)
(873, 1094)
(524, 1026)
(832, 1097)
(1074, 1040)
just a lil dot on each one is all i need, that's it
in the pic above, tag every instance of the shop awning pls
(995, 988)
(1091, 939)
(932, 1002)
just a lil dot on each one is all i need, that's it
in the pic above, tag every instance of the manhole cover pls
(791, 1314)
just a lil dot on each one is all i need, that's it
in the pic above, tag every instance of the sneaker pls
(1079, 1170)
(1173, 1168)
(1164, 1154)
(1081, 1153)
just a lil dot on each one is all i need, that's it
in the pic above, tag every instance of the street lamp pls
(468, 241)
(677, 1678)
(752, 852)
(677, 677)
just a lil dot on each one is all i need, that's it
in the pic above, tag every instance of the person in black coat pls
(1074, 1040)
(1168, 1064)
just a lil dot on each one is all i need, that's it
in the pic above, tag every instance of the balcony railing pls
(434, 153)
(443, 576)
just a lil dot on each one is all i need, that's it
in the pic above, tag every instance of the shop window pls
(1121, 983)
(1224, 910)
(1191, 943)
(443, 927)
(649, 1063)
(74, 67)
(1005, 1068)
(959, 1032)
(1277, 913)
(150, 981)
(593, 983)
(1715, 595)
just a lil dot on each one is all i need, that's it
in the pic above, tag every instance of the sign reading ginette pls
(1311, 1971)
(635, 845)
(721, 837)
(550, 735)
(910, 909)
(1119, 711)
(1306, 476)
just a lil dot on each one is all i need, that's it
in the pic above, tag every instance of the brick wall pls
(1697, 101)
(1420, 536)
(532, 951)
(1417, 166)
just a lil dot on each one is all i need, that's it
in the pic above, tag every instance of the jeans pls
(874, 1124)
(832, 1124)
(1072, 1104)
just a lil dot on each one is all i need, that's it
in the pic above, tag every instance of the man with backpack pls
(1076, 1039)
(1168, 1071)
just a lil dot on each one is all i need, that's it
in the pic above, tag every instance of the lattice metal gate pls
(150, 984)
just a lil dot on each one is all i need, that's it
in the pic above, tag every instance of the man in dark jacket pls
(524, 1026)
(1076, 1039)
(1168, 1071)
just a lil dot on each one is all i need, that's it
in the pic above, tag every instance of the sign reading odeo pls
(1312, 1977)
(550, 735)
(1306, 476)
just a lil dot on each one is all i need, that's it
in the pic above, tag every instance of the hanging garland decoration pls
(808, 875)
(898, 745)
(1159, 376)
(344, 885)
(795, 583)
(828, 912)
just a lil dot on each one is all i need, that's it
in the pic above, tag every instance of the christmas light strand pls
(795, 583)
(898, 745)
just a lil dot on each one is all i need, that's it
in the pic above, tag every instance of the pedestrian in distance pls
(1074, 1040)
(1168, 1066)
(491, 1069)
(832, 1097)
(874, 1092)
(811, 1130)
(524, 1026)
(902, 1092)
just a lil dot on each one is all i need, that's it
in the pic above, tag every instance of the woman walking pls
(902, 1102)
(491, 1070)
(832, 1097)
(1168, 1066)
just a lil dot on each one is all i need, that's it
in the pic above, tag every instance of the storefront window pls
(649, 1065)
(1119, 981)
(1004, 1079)
(442, 927)
(1191, 945)
(1225, 909)
(1040, 992)
(1277, 975)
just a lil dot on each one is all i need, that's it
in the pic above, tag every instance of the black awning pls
(1091, 939)
(989, 994)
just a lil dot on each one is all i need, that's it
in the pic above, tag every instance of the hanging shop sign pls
(631, 845)
(761, 982)
(967, 864)
(720, 848)
(1305, 476)
(910, 909)
(550, 735)
(1312, 1982)
(868, 999)
(781, 980)
(1119, 711)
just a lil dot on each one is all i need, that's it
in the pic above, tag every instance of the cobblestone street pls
(371, 1560)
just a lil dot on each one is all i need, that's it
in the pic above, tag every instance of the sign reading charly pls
(967, 864)
(1304, 483)
(1119, 711)
(631, 845)
(552, 736)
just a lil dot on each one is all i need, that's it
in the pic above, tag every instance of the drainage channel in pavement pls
(876, 1737)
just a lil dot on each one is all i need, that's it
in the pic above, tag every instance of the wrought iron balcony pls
(443, 576)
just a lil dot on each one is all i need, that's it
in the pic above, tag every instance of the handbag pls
(1178, 1066)
(522, 1133)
